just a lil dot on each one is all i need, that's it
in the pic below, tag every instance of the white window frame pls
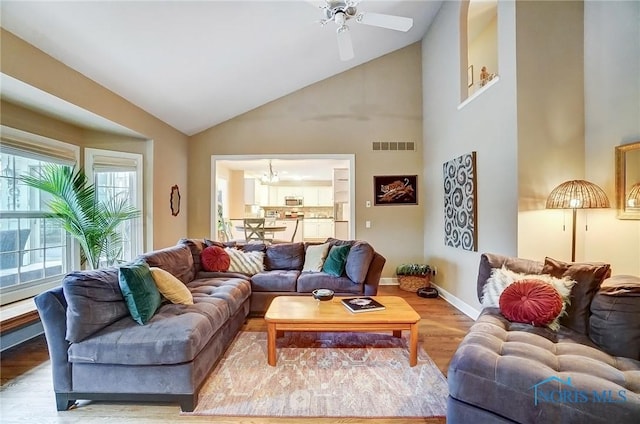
(92, 155)
(45, 148)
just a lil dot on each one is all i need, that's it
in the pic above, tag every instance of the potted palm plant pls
(414, 276)
(75, 205)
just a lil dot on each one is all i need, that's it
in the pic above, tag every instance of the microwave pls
(293, 201)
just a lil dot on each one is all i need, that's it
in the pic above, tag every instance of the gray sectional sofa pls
(509, 372)
(98, 352)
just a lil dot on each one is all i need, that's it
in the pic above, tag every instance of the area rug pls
(323, 375)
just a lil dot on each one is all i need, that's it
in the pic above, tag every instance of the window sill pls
(18, 314)
(477, 94)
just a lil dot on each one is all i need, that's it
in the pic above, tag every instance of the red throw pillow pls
(532, 302)
(214, 258)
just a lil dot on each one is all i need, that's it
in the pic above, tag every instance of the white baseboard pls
(388, 281)
(457, 303)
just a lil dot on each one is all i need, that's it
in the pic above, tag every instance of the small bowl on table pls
(322, 294)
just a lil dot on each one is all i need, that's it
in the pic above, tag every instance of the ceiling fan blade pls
(345, 46)
(398, 23)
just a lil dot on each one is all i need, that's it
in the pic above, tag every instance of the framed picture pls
(395, 190)
(470, 76)
(460, 203)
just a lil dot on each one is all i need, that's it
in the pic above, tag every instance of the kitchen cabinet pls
(317, 195)
(317, 229)
(291, 228)
(341, 185)
(255, 193)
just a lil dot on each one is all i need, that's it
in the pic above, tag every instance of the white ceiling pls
(288, 170)
(195, 64)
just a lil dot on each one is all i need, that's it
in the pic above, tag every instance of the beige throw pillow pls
(170, 287)
(314, 257)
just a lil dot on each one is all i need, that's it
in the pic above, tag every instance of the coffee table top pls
(307, 309)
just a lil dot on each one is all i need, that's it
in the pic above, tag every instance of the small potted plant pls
(414, 276)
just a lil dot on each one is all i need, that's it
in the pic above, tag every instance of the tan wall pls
(166, 153)
(612, 118)
(550, 121)
(377, 101)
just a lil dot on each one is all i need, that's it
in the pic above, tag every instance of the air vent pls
(393, 145)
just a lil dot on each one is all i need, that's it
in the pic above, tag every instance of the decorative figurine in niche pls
(485, 76)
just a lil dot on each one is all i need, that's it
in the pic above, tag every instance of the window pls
(119, 174)
(35, 251)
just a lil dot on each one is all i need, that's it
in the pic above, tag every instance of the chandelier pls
(271, 177)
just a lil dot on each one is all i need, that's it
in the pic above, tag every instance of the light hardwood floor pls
(26, 395)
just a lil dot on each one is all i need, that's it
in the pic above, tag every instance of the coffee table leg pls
(413, 345)
(271, 344)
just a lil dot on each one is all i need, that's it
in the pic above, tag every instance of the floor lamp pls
(577, 194)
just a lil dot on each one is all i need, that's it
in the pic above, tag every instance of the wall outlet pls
(367, 224)
(368, 203)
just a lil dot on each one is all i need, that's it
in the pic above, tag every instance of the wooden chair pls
(293, 236)
(254, 230)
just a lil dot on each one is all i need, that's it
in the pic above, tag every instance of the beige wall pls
(377, 101)
(612, 118)
(166, 153)
(551, 146)
(555, 114)
(486, 125)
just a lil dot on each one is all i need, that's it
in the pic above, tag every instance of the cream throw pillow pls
(502, 277)
(170, 287)
(249, 263)
(314, 257)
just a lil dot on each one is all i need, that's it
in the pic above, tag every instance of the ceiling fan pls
(340, 11)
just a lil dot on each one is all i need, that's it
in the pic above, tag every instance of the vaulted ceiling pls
(195, 64)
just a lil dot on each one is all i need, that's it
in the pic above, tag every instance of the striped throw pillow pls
(249, 263)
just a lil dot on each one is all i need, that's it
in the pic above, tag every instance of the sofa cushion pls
(196, 247)
(248, 263)
(139, 291)
(358, 261)
(215, 258)
(501, 366)
(287, 256)
(489, 261)
(588, 277)
(94, 301)
(614, 324)
(177, 260)
(275, 281)
(170, 287)
(501, 278)
(533, 302)
(314, 257)
(176, 334)
(336, 260)
(309, 281)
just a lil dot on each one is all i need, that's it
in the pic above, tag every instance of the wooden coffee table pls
(304, 313)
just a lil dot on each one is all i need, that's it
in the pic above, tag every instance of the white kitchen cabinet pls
(317, 195)
(325, 196)
(255, 193)
(291, 228)
(318, 229)
(341, 185)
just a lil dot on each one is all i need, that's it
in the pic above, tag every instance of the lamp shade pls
(577, 194)
(633, 199)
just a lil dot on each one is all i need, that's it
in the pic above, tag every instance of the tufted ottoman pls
(509, 372)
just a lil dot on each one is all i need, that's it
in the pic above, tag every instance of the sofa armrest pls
(372, 281)
(52, 307)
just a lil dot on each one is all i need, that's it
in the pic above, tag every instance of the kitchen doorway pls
(314, 193)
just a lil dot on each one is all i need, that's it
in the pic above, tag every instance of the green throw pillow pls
(336, 260)
(139, 291)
